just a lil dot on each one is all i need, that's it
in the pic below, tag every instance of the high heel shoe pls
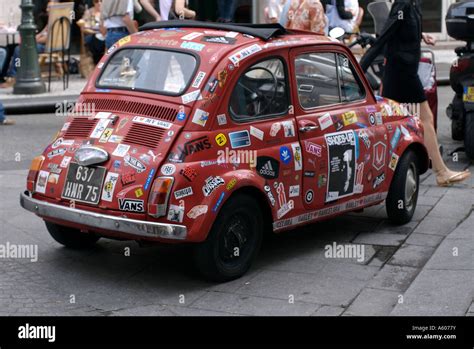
(455, 178)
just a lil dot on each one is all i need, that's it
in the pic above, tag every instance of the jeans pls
(226, 9)
(12, 70)
(3, 57)
(2, 113)
(113, 36)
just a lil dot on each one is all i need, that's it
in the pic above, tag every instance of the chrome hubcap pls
(410, 188)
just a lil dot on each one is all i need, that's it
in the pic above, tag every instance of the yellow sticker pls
(231, 184)
(124, 40)
(139, 192)
(106, 135)
(221, 139)
(468, 94)
(349, 118)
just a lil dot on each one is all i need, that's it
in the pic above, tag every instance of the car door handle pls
(306, 88)
(308, 128)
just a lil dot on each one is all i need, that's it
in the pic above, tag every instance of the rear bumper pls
(136, 228)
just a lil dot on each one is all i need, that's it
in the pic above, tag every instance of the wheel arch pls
(422, 155)
(262, 200)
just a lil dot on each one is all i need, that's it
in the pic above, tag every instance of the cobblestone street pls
(422, 268)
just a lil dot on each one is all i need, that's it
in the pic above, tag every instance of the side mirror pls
(336, 32)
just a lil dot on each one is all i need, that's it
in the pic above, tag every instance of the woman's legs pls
(443, 174)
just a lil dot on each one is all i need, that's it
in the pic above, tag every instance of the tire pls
(238, 225)
(457, 129)
(403, 193)
(469, 135)
(70, 237)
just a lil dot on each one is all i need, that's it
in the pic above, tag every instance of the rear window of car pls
(151, 70)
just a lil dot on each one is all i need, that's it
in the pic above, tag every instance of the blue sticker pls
(356, 137)
(285, 155)
(239, 139)
(396, 138)
(149, 179)
(219, 202)
(181, 116)
(192, 46)
(102, 90)
(361, 125)
(117, 164)
(379, 98)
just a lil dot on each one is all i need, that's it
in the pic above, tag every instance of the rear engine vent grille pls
(80, 128)
(133, 107)
(144, 135)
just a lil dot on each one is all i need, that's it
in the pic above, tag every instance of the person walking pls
(117, 17)
(401, 39)
(307, 15)
(3, 120)
(226, 10)
(159, 10)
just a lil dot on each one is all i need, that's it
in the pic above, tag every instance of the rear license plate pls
(83, 184)
(468, 94)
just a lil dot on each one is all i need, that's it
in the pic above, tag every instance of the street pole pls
(28, 80)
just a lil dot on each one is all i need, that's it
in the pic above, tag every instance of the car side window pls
(261, 92)
(351, 87)
(317, 79)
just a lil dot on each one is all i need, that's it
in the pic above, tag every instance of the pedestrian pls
(401, 39)
(307, 15)
(226, 10)
(3, 120)
(346, 14)
(274, 10)
(90, 24)
(41, 39)
(179, 10)
(158, 10)
(117, 17)
(3, 59)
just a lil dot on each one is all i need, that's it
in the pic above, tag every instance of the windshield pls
(165, 72)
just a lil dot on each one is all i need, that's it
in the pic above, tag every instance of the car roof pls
(270, 34)
(261, 31)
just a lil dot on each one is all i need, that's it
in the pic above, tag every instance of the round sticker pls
(168, 169)
(221, 139)
(309, 196)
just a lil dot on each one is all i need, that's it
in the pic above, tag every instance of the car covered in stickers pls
(191, 132)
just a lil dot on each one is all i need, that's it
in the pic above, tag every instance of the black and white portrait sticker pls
(342, 162)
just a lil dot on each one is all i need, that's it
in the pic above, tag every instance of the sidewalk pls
(21, 104)
(445, 286)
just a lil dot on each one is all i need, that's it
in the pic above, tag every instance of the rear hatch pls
(136, 134)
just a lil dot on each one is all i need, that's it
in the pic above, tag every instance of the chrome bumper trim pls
(97, 220)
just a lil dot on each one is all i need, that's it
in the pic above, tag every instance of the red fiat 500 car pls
(210, 134)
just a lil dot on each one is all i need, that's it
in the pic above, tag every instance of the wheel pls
(70, 237)
(457, 130)
(233, 242)
(469, 135)
(403, 193)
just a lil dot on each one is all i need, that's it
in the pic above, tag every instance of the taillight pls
(33, 173)
(159, 196)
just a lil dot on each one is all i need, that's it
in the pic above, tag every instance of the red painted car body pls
(317, 159)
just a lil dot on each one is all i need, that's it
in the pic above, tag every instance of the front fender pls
(415, 142)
